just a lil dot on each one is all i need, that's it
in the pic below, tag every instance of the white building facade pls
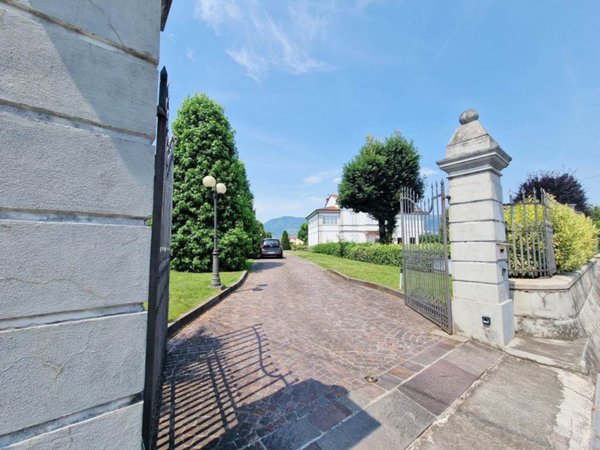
(333, 224)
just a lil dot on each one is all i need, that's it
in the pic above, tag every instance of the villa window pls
(330, 219)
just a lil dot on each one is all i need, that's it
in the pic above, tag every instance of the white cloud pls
(317, 178)
(217, 12)
(428, 172)
(263, 36)
(189, 53)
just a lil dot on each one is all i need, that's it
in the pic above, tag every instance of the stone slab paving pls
(281, 363)
(517, 405)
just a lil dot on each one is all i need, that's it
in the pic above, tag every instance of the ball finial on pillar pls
(468, 116)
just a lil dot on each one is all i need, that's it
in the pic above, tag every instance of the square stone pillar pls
(481, 307)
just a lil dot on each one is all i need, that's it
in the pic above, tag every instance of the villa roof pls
(329, 209)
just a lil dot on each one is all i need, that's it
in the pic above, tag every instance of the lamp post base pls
(216, 278)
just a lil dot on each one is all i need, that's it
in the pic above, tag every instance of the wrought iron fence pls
(425, 269)
(529, 236)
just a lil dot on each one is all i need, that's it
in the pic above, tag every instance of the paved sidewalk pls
(518, 404)
(281, 364)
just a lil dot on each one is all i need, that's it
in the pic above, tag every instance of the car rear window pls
(271, 242)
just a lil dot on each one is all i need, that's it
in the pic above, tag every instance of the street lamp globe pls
(221, 188)
(209, 181)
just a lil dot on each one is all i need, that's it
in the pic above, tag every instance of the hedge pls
(384, 254)
(575, 238)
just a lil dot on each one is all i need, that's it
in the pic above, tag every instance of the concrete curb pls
(178, 324)
(368, 284)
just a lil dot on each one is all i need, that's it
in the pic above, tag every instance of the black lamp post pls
(218, 189)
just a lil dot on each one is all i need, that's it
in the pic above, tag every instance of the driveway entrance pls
(283, 360)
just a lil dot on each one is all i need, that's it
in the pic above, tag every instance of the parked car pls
(271, 248)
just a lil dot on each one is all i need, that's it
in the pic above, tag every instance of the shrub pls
(234, 246)
(575, 237)
(430, 238)
(385, 254)
(331, 248)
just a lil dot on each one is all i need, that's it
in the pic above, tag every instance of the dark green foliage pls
(303, 233)
(206, 146)
(371, 182)
(565, 188)
(384, 254)
(285, 241)
(268, 234)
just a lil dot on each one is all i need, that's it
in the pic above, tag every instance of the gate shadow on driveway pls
(224, 392)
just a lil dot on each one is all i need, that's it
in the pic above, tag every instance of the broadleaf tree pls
(563, 186)
(206, 146)
(371, 181)
(303, 233)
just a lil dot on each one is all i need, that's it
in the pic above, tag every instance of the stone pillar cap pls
(470, 136)
(471, 148)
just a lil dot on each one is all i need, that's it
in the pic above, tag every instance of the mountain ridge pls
(277, 225)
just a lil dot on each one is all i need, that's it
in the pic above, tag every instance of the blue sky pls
(304, 82)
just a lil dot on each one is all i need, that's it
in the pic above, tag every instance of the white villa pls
(332, 224)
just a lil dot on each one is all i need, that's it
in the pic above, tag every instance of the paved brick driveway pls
(283, 360)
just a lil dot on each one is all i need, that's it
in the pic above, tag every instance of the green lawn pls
(384, 275)
(188, 290)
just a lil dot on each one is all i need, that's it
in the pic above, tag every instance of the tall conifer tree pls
(206, 146)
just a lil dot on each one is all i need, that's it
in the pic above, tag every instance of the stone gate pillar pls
(481, 307)
(77, 122)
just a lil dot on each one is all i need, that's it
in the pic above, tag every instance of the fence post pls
(481, 307)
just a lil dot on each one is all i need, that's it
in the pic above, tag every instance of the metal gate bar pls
(160, 255)
(425, 271)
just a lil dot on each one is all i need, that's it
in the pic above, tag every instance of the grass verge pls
(189, 290)
(388, 276)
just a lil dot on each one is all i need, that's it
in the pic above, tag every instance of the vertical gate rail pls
(529, 236)
(160, 254)
(425, 271)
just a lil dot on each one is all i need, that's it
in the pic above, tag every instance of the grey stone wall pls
(77, 122)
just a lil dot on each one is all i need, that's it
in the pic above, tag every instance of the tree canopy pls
(371, 181)
(565, 188)
(206, 146)
(303, 233)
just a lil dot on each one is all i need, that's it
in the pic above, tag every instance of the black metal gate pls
(425, 274)
(160, 255)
